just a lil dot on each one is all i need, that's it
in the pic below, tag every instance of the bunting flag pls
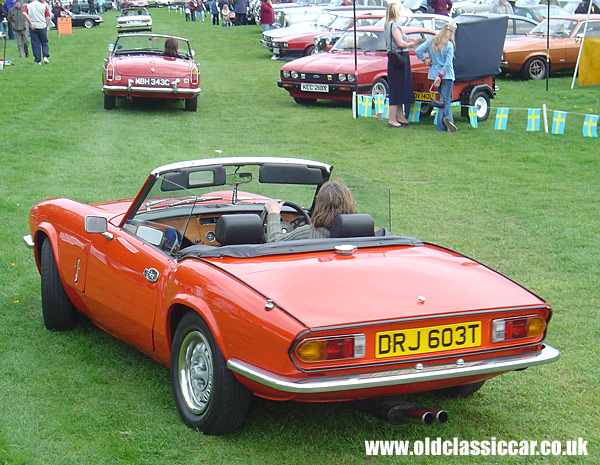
(533, 119)
(386, 109)
(456, 103)
(434, 113)
(473, 116)
(379, 101)
(414, 115)
(590, 126)
(365, 105)
(558, 122)
(501, 119)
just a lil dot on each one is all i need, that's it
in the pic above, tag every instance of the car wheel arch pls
(39, 236)
(178, 310)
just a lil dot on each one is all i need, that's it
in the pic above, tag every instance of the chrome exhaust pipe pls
(397, 412)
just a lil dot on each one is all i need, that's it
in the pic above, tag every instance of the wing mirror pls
(111, 47)
(97, 225)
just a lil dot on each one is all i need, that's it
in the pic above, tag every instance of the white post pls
(354, 112)
(545, 118)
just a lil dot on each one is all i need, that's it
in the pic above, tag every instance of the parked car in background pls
(137, 67)
(516, 25)
(84, 7)
(134, 19)
(332, 75)
(477, 6)
(303, 43)
(527, 55)
(82, 20)
(181, 272)
(539, 12)
(428, 21)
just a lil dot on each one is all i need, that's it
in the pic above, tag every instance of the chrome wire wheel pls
(196, 372)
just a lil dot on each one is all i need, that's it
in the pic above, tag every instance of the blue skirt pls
(400, 83)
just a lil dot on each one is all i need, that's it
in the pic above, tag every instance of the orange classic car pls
(527, 54)
(182, 273)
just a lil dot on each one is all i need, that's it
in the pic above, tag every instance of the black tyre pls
(481, 100)
(465, 390)
(380, 87)
(191, 104)
(59, 313)
(310, 50)
(88, 23)
(207, 395)
(534, 68)
(305, 101)
(426, 109)
(110, 102)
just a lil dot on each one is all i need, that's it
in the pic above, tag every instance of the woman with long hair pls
(333, 199)
(400, 82)
(440, 59)
(171, 47)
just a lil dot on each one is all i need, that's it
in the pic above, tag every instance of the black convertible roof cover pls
(479, 47)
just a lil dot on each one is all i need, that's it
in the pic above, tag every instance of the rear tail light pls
(110, 72)
(508, 329)
(331, 348)
(194, 75)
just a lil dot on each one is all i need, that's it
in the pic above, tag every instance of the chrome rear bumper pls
(410, 375)
(152, 90)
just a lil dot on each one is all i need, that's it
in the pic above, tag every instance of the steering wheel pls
(286, 227)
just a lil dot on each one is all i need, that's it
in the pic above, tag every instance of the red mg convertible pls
(138, 67)
(182, 273)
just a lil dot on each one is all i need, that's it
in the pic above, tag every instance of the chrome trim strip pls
(425, 317)
(393, 377)
(28, 239)
(232, 161)
(162, 90)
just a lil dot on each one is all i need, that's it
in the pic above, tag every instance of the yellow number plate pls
(424, 96)
(429, 339)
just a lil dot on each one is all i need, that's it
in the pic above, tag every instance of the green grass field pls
(523, 203)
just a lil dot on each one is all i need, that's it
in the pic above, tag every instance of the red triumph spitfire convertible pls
(182, 273)
(138, 67)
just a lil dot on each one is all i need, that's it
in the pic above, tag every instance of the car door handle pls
(151, 274)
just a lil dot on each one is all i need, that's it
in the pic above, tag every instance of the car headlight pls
(342, 77)
(351, 78)
(285, 73)
(294, 74)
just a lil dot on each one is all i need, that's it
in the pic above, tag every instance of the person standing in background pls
(214, 11)
(399, 80)
(37, 15)
(267, 17)
(502, 7)
(441, 7)
(19, 25)
(440, 59)
(240, 8)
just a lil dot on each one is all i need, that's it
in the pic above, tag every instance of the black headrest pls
(352, 225)
(239, 229)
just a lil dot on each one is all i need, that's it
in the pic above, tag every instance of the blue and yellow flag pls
(473, 116)
(365, 105)
(379, 101)
(558, 122)
(533, 119)
(590, 126)
(386, 109)
(501, 119)
(414, 115)
(434, 113)
(456, 103)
